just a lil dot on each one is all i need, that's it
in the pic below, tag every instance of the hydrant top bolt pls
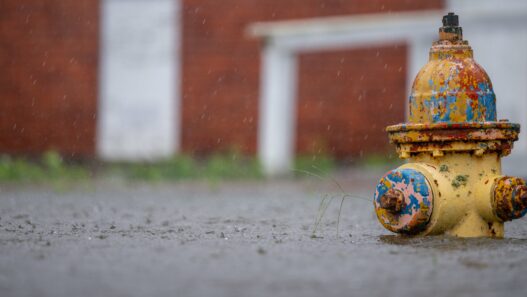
(450, 20)
(392, 200)
(451, 30)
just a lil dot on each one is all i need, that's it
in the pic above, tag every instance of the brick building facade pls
(340, 94)
(50, 64)
(48, 79)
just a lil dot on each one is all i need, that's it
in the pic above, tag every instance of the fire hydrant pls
(452, 183)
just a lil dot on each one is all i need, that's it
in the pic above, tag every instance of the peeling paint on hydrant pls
(452, 183)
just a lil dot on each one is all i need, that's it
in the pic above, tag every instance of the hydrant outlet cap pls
(403, 201)
(510, 198)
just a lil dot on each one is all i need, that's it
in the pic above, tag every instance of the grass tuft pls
(50, 167)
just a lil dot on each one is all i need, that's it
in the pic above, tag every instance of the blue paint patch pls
(440, 107)
(487, 99)
(411, 178)
(441, 103)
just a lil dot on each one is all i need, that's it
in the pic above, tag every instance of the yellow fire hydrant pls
(452, 183)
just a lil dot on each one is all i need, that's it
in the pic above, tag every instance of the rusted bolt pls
(392, 200)
(451, 30)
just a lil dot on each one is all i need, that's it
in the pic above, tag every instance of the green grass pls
(215, 167)
(50, 167)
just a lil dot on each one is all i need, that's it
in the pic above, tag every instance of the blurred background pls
(116, 95)
(135, 81)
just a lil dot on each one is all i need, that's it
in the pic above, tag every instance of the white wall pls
(138, 105)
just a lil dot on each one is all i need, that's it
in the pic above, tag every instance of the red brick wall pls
(347, 98)
(355, 98)
(48, 77)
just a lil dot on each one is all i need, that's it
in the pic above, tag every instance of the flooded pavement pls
(235, 239)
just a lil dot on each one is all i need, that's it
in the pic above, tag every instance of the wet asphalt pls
(250, 238)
